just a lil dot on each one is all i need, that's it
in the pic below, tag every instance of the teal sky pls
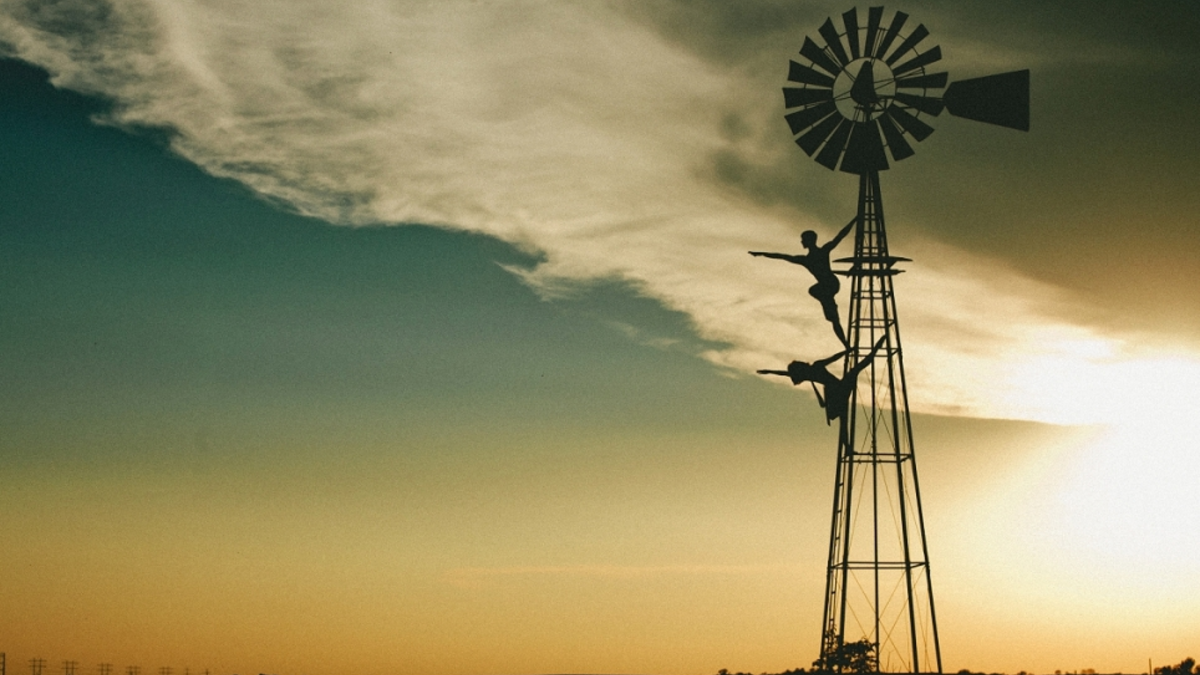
(193, 374)
(135, 280)
(417, 338)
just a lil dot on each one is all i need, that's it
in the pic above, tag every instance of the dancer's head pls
(808, 238)
(800, 371)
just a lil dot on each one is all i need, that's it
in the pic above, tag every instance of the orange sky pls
(419, 338)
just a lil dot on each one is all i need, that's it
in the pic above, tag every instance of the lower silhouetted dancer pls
(817, 262)
(837, 391)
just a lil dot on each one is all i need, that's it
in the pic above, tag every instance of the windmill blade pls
(864, 151)
(925, 59)
(850, 19)
(926, 104)
(795, 98)
(835, 146)
(874, 17)
(932, 81)
(996, 99)
(806, 117)
(895, 139)
(813, 139)
(917, 35)
(813, 53)
(890, 36)
(834, 41)
(911, 124)
(804, 75)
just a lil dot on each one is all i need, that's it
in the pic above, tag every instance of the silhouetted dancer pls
(837, 391)
(817, 262)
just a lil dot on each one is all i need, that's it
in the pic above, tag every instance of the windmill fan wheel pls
(865, 90)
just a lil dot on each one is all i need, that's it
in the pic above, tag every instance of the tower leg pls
(878, 587)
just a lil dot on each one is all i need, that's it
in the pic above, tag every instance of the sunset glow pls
(421, 337)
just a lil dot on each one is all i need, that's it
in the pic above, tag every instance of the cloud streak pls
(566, 128)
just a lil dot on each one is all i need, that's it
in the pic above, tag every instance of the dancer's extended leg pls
(831, 313)
(826, 294)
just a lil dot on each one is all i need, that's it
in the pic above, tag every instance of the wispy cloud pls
(566, 128)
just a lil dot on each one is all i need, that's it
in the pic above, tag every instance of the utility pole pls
(36, 665)
(69, 667)
(104, 668)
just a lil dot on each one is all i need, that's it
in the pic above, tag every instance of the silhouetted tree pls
(846, 657)
(1184, 667)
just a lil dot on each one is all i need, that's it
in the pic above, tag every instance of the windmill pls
(862, 95)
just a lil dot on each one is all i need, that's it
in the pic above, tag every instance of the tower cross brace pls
(878, 585)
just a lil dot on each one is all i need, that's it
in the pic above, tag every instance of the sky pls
(419, 337)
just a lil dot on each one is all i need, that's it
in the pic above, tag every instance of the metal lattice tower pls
(878, 584)
(859, 96)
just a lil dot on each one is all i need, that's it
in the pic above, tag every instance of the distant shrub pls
(794, 671)
(1184, 667)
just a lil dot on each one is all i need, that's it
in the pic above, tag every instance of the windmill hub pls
(864, 89)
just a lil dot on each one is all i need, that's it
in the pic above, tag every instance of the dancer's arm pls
(870, 355)
(829, 359)
(818, 395)
(797, 259)
(875, 349)
(841, 235)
